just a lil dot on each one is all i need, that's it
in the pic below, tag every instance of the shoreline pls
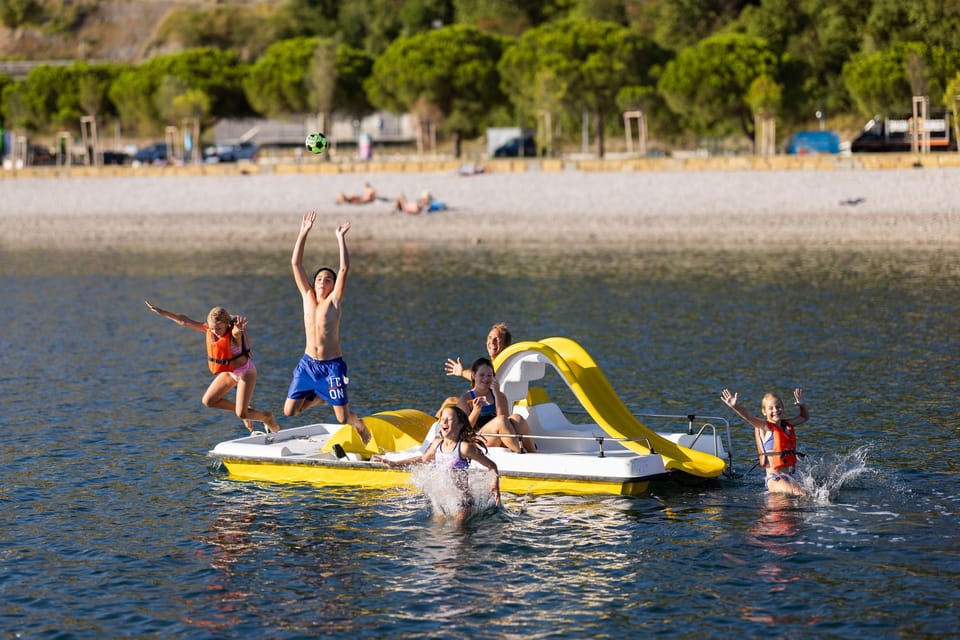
(733, 209)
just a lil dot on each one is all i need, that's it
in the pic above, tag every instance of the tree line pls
(695, 68)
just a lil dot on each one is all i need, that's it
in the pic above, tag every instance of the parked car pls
(231, 152)
(512, 149)
(151, 154)
(115, 157)
(40, 155)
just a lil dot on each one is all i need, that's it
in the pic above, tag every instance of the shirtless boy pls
(321, 374)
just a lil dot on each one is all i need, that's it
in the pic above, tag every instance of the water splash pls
(447, 497)
(822, 478)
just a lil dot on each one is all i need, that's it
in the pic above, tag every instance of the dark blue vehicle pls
(151, 154)
(231, 152)
(512, 148)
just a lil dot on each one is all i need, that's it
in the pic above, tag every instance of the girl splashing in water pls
(451, 452)
(775, 437)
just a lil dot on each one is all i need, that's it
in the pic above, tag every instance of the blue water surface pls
(114, 523)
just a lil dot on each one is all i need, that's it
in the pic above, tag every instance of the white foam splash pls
(446, 497)
(822, 478)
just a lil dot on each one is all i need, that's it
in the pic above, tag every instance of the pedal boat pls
(606, 450)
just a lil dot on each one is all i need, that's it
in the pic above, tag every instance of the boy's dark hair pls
(332, 273)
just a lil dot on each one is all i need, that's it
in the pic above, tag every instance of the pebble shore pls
(771, 210)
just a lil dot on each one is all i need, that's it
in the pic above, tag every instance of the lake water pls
(115, 523)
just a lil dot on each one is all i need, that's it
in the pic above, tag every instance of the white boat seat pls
(580, 436)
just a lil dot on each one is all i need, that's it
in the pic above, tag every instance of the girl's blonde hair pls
(770, 396)
(218, 314)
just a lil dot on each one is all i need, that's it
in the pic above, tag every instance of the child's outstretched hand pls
(798, 397)
(308, 219)
(729, 399)
(454, 367)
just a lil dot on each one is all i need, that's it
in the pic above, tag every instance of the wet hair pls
(332, 273)
(505, 336)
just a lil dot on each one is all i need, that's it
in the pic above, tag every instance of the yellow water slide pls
(591, 388)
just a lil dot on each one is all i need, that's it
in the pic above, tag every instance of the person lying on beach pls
(454, 447)
(498, 339)
(230, 361)
(426, 203)
(775, 438)
(321, 375)
(369, 195)
(487, 410)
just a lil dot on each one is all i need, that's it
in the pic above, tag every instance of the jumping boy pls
(321, 374)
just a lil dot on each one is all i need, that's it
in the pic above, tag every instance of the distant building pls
(381, 127)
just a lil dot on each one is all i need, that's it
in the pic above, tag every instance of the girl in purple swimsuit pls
(453, 449)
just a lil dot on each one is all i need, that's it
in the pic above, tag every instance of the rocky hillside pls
(116, 30)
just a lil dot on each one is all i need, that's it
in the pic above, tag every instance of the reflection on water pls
(112, 519)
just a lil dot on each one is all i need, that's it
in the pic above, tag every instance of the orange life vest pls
(220, 354)
(784, 453)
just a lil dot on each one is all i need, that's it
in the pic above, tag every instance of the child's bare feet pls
(363, 432)
(271, 422)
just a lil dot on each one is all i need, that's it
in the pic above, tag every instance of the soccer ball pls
(316, 143)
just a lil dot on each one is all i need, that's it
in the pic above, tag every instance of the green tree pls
(812, 39)
(217, 74)
(879, 82)
(677, 24)
(449, 73)
(707, 85)
(764, 96)
(57, 96)
(322, 78)
(93, 83)
(132, 92)
(14, 109)
(304, 18)
(891, 22)
(951, 100)
(222, 26)
(934, 24)
(280, 83)
(354, 66)
(43, 98)
(508, 17)
(17, 13)
(276, 84)
(5, 81)
(588, 63)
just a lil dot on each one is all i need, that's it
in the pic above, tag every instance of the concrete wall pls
(315, 165)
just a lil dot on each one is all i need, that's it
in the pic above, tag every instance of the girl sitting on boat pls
(230, 361)
(775, 437)
(452, 450)
(487, 408)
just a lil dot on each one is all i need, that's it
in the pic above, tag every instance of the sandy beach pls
(882, 209)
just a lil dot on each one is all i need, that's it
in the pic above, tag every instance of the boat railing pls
(600, 440)
(720, 440)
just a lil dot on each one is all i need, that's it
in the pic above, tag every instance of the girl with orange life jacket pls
(775, 437)
(229, 360)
